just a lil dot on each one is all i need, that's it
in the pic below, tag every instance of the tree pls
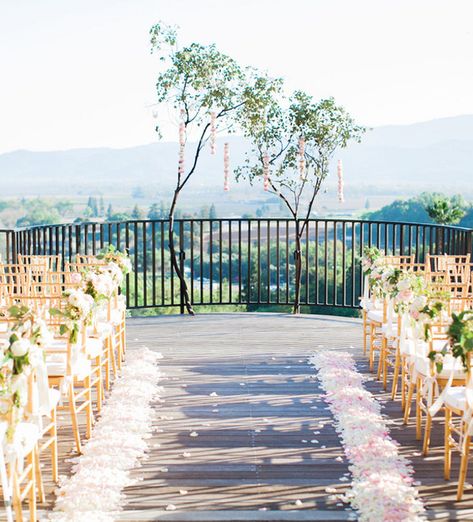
(293, 142)
(39, 212)
(64, 207)
(136, 213)
(154, 212)
(92, 206)
(109, 211)
(205, 88)
(137, 193)
(102, 206)
(212, 212)
(444, 210)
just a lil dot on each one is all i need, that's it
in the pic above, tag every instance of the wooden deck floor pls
(241, 430)
(265, 447)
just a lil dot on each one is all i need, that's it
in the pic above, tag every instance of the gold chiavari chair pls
(401, 261)
(94, 346)
(458, 427)
(40, 263)
(442, 282)
(114, 314)
(425, 381)
(438, 263)
(25, 474)
(69, 368)
(88, 259)
(376, 321)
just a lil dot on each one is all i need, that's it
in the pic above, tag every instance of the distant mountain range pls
(437, 154)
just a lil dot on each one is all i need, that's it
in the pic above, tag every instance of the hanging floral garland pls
(302, 171)
(226, 167)
(213, 132)
(182, 143)
(341, 197)
(266, 171)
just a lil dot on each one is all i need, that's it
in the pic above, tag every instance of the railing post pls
(468, 242)
(182, 256)
(14, 247)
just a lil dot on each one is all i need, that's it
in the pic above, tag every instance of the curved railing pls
(247, 262)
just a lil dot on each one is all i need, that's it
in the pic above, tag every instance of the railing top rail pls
(252, 219)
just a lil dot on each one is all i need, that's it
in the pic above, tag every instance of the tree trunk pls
(174, 261)
(298, 264)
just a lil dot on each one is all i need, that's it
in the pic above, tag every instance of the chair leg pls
(371, 348)
(38, 477)
(75, 424)
(32, 491)
(365, 333)
(16, 498)
(123, 340)
(403, 383)
(107, 365)
(54, 449)
(463, 466)
(428, 429)
(410, 393)
(397, 364)
(385, 365)
(99, 384)
(381, 360)
(418, 410)
(112, 355)
(88, 407)
(447, 446)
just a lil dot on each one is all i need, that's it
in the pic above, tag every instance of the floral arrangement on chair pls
(369, 259)
(112, 255)
(77, 310)
(22, 353)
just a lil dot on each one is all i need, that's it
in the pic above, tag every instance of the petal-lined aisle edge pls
(94, 491)
(382, 486)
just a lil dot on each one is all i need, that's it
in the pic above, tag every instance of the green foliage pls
(39, 212)
(276, 125)
(445, 210)
(136, 213)
(199, 79)
(425, 208)
(119, 216)
(460, 333)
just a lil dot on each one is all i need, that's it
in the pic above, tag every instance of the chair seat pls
(54, 397)
(455, 397)
(94, 347)
(26, 436)
(422, 365)
(56, 365)
(375, 316)
(389, 330)
(420, 348)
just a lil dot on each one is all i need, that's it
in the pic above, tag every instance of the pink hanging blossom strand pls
(303, 175)
(266, 171)
(213, 132)
(341, 197)
(182, 144)
(226, 167)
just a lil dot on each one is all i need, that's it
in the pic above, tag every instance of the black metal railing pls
(240, 261)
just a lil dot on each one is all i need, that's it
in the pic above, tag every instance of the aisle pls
(235, 436)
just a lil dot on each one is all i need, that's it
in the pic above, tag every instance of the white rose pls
(404, 284)
(20, 347)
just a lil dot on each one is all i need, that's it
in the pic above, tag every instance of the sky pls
(78, 73)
